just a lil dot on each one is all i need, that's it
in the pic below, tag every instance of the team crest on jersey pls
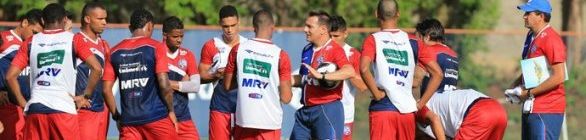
(533, 49)
(320, 60)
(182, 63)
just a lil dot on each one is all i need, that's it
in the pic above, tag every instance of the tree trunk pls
(572, 22)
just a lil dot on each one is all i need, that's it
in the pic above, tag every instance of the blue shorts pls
(325, 121)
(542, 126)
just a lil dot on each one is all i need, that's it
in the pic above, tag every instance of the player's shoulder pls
(185, 52)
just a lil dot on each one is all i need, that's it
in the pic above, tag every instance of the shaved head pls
(387, 9)
(262, 19)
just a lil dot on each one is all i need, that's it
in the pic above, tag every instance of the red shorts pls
(62, 126)
(486, 120)
(220, 125)
(187, 131)
(391, 125)
(93, 125)
(162, 128)
(13, 121)
(348, 131)
(241, 133)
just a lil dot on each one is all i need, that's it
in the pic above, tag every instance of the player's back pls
(447, 59)
(134, 62)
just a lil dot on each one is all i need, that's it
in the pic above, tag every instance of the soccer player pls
(394, 55)
(545, 118)
(434, 52)
(263, 80)
(214, 57)
(93, 120)
(146, 98)
(183, 76)
(12, 115)
(51, 110)
(354, 84)
(465, 115)
(322, 116)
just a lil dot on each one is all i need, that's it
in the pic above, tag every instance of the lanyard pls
(533, 38)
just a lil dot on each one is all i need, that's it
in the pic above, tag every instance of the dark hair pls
(546, 16)
(323, 18)
(139, 19)
(53, 13)
(262, 18)
(33, 16)
(387, 9)
(228, 11)
(431, 27)
(337, 23)
(172, 23)
(88, 7)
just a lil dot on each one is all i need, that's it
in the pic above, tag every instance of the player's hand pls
(4, 98)
(116, 117)
(312, 72)
(174, 120)
(82, 102)
(420, 105)
(219, 73)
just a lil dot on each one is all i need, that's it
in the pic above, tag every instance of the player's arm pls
(296, 80)
(20, 61)
(557, 77)
(207, 55)
(339, 58)
(94, 77)
(418, 79)
(436, 76)
(189, 84)
(356, 80)
(230, 71)
(165, 91)
(109, 99)
(436, 125)
(285, 78)
(368, 53)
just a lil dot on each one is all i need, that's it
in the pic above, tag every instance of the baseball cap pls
(536, 5)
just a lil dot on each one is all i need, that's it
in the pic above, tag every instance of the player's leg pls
(36, 127)
(329, 124)
(219, 126)
(348, 131)
(104, 119)
(63, 126)
(13, 122)
(405, 124)
(301, 129)
(128, 132)
(89, 123)
(381, 124)
(541, 126)
(187, 130)
(162, 128)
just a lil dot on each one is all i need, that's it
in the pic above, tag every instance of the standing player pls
(465, 115)
(93, 120)
(544, 119)
(12, 115)
(322, 116)
(393, 54)
(141, 66)
(51, 111)
(354, 84)
(214, 57)
(183, 76)
(431, 33)
(264, 81)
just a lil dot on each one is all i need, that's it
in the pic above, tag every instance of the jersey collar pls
(262, 40)
(15, 35)
(55, 31)
(88, 38)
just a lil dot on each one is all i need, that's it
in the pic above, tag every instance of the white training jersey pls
(450, 107)
(348, 92)
(220, 60)
(258, 104)
(53, 75)
(395, 67)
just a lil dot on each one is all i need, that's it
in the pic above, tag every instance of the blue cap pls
(536, 5)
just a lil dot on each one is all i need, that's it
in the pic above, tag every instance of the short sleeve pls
(161, 61)
(21, 60)
(369, 48)
(231, 66)
(339, 56)
(284, 66)
(554, 50)
(191, 64)
(207, 52)
(81, 51)
(355, 60)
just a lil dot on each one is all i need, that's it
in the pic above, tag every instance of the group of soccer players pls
(59, 84)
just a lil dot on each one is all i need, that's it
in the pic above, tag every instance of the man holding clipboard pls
(543, 119)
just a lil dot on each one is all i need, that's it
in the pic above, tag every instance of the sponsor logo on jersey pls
(51, 44)
(132, 67)
(398, 72)
(43, 83)
(451, 73)
(25, 72)
(256, 67)
(130, 54)
(48, 58)
(134, 83)
(400, 83)
(254, 83)
(49, 72)
(396, 57)
(259, 54)
(255, 95)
